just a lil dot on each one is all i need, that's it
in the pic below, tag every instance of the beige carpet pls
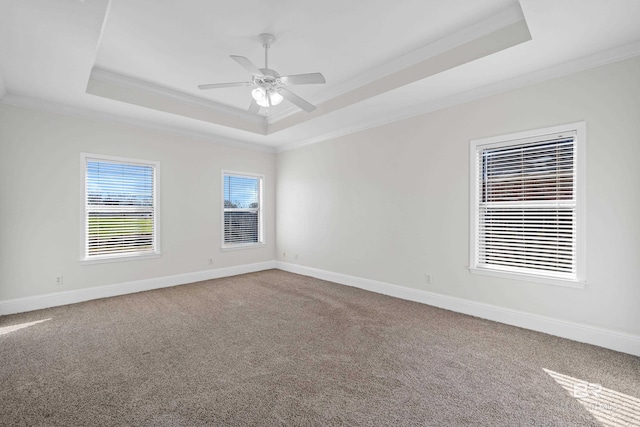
(274, 348)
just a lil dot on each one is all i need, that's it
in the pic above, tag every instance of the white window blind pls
(526, 206)
(120, 208)
(242, 209)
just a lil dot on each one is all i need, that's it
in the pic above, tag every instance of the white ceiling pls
(140, 61)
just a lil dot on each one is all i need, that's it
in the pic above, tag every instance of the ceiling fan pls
(269, 86)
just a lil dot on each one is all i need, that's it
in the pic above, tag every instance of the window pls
(120, 200)
(242, 198)
(527, 198)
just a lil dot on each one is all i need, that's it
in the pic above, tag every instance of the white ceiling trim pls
(66, 110)
(499, 40)
(105, 18)
(507, 17)
(131, 83)
(501, 20)
(581, 64)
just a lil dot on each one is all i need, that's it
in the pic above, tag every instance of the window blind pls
(527, 207)
(120, 208)
(242, 209)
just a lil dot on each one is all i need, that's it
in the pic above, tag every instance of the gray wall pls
(389, 204)
(392, 203)
(40, 215)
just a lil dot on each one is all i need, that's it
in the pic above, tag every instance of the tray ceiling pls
(140, 61)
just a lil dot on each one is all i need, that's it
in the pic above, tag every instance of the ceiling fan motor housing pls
(270, 79)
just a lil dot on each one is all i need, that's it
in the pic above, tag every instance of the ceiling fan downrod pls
(267, 40)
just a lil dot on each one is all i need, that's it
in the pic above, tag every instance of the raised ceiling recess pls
(140, 61)
(493, 32)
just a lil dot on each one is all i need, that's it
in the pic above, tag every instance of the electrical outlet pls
(296, 256)
(427, 279)
(284, 254)
(58, 280)
(210, 261)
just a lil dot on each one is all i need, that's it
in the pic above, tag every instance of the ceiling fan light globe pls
(276, 98)
(259, 94)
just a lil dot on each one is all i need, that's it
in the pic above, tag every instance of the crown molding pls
(72, 111)
(497, 22)
(507, 17)
(481, 47)
(132, 83)
(581, 64)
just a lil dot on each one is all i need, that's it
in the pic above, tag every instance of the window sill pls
(119, 258)
(577, 284)
(239, 246)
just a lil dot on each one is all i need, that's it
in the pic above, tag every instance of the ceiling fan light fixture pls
(262, 97)
(259, 94)
(276, 98)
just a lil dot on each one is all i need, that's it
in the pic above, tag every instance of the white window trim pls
(579, 188)
(261, 238)
(83, 223)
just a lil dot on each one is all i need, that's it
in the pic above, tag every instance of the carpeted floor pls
(274, 348)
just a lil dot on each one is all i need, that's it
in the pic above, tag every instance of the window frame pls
(84, 257)
(579, 189)
(261, 239)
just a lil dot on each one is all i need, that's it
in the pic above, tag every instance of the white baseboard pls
(37, 302)
(614, 340)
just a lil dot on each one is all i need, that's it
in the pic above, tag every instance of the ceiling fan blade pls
(303, 79)
(219, 85)
(248, 65)
(254, 107)
(292, 97)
